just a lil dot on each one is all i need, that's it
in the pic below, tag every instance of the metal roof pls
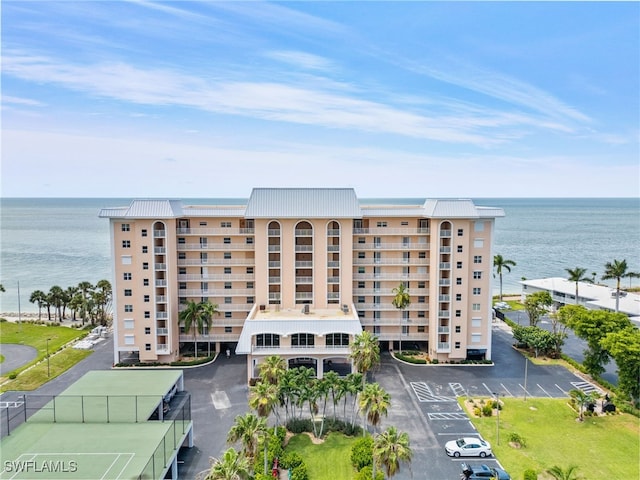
(250, 328)
(462, 208)
(393, 211)
(146, 209)
(303, 203)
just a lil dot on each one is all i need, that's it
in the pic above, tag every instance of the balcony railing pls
(215, 261)
(303, 280)
(159, 233)
(159, 250)
(444, 347)
(391, 261)
(221, 247)
(391, 246)
(162, 348)
(215, 231)
(304, 248)
(162, 315)
(162, 331)
(304, 232)
(160, 266)
(390, 231)
(227, 277)
(445, 233)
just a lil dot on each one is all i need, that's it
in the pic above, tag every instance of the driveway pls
(16, 356)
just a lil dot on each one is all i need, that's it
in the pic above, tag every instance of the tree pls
(592, 326)
(502, 264)
(577, 275)
(624, 348)
(263, 397)
(102, 298)
(401, 301)
(191, 317)
(581, 398)
(207, 311)
(374, 403)
(536, 305)
(617, 270)
(365, 353)
(231, 466)
(2, 290)
(85, 290)
(39, 298)
(54, 298)
(561, 474)
(272, 369)
(247, 430)
(390, 448)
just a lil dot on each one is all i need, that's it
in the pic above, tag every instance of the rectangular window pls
(126, 243)
(147, 314)
(147, 299)
(182, 285)
(182, 256)
(361, 255)
(421, 329)
(475, 307)
(147, 330)
(477, 290)
(249, 240)
(405, 330)
(250, 300)
(250, 285)
(361, 240)
(421, 314)
(458, 264)
(459, 248)
(144, 232)
(128, 308)
(145, 282)
(458, 280)
(457, 345)
(422, 254)
(127, 292)
(460, 232)
(128, 324)
(129, 340)
(147, 347)
(458, 297)
(126, 259)
(125, 227)
(478, 243)
(227, 285)
(381, 224)
(227, 240)
(360, 269)
(203, 224)
(458, 313)
(249, 270)
(145, 266)
(227, 300)
(457, 328)
(477, 275)
(228, 329)
(361, 285)
(404, 223)
(476, 322)
(478, 226)
(126, 276)
(227, 255)
(422, 299)
(227, 270)
(476, 337)
(227, 314)
(360, 299)
(477, 259)
(182, 240)
(225, 224)
(145, 249)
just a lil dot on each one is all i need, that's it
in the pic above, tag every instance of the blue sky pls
(396, 99)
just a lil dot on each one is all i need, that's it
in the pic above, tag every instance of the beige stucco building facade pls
(299, 272)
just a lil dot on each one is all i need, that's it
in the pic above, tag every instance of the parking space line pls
(424, 394)
(458, 389)
(525, 390)
(509, 394)
(586, 387)
(544, 391)
(563, 391)
(448, 416)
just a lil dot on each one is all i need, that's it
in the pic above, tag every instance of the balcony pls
(162, 315)
(160, 266)
(274, 296)
(444, 282)
(304, 264)
(161, 283)
(162, 331)
(273, 232)
(333, 248)
(444, 266)
(221, 247)
(444, 313)
(304, 232)
(226, 277)
(333, 232)
(159, 233)
(215, 231)
(444, 298)
(274, 248)
(275, 264)
(333, 279)
(443, 347)
(303, 280)
(390, 231)
(444, 330)
(391, 261)
(391, 246)
(445, 233)
(304, 295)
(445, 249)
(159, 250)
(162, 348)
(304, 248)
(274, 279)
(217, 292)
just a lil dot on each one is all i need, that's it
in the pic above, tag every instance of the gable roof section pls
(303, 203)
(145, 209)
(462, 208)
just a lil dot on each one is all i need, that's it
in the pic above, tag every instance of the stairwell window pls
(125, 227)
(126, 243)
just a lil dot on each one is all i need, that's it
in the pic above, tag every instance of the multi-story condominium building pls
(298, 272)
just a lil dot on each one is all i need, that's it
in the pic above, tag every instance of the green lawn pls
(329, 460)
(602, 447)
(36, 336)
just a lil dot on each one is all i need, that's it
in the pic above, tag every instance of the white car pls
(502, 306)
(468, 447)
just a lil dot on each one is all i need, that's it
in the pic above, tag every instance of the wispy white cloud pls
(29, 102)
(301, 59)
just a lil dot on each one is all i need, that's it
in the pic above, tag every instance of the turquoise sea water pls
(46, 242)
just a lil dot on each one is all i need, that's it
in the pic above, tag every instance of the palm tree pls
(272, 369)
(102, 298)
(389, 449)
(560, 474)
(374, 403)
(263, 397)
(191, 317)
(365, 353)
(247, 430)
(2, 288)
(231, 466)
(501, 263)
(617, 270)
(55, 299)
(578, 275)
(582, 399)
(39, 298)
(333, 381)
(207, 311)
(401, 301)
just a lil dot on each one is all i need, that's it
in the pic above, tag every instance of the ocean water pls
(46, 242)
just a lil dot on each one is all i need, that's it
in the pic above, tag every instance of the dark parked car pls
(479, 472)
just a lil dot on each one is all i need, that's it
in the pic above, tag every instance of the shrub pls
(290, 460)
(487, 410)
(299, 425)
(516, 438)
(530, 475)
(362, 453)
(409, 359)
(13, 376)
(300, 473)
(435, 361)
(477, 411)
(367, 472)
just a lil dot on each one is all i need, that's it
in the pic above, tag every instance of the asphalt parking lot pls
(423, 400)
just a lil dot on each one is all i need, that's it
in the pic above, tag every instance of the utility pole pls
(498, 416)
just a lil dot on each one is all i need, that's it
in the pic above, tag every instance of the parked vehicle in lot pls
(479, 472)
(468, 447)
(502, 306)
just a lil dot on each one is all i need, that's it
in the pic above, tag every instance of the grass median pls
(329, 460)
(601, 446)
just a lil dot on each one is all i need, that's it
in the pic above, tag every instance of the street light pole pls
(526, 365)
(498, 416)
(48, 365)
